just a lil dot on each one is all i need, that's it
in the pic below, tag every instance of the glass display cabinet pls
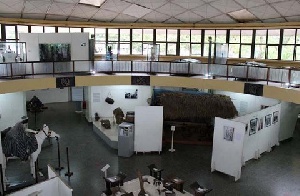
(12, 52)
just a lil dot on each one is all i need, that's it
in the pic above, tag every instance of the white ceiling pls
(162, 11)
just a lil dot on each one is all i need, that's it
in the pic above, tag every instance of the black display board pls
(254, 89)
(65, 82)
(140, 80)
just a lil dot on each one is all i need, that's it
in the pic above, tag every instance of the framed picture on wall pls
(228, 133)
(253, 126)
(275, 117)
(268, 119)
(261, 124)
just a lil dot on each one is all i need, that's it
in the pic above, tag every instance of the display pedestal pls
(172, 141)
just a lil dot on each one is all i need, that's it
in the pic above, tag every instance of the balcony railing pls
(244, 72)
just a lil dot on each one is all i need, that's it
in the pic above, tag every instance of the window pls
(246, 41)
(260, 44)
(185, 42)
(10, 32)
(75, 30)
(208, 34)
(140, 40)
(37, 29)
(273, 36)
(124, 41)
(288, 44)
(234, 44)
(273, 43)
(221, 36)
(21, 29)
(100, 41)
(196, 42)
(63, 30)
(49, 29)
(113, 38)
(91, 32)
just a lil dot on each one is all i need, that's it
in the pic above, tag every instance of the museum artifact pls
(109, 100)
(114, 181)
(154, 171)
(199, 190)
(141, 180)
(119, 115)
(105, 123)
(130, 116)
(97, 117)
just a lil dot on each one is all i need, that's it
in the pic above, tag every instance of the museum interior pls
(140, 97)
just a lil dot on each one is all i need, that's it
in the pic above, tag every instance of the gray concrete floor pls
(275, 173)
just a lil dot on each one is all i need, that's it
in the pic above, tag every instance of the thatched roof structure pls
(193, 107)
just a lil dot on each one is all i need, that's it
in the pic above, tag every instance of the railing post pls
(247, 72)
(227, 71)
(150, 67)
(289, 76)
(170, 67)
(53, 66)
(32, 69)
(11, 71)
(112, 66)
(268, 75)
(189, 68)
(73, 62)
(131, 66)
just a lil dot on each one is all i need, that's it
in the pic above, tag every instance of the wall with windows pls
(274, 44)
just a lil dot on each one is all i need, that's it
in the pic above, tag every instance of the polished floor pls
(275, 173)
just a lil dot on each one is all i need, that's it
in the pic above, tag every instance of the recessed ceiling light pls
(96, 3)
(242, 16)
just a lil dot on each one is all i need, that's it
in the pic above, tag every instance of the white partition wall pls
(12, 108)
(228, 147)
(289, 115)
(53, 95)
(148, 128)
(79, 43)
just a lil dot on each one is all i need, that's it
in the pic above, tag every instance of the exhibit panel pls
(148, 128)
(288, 119)
(228, 147)
(12, 108)
(262, 131)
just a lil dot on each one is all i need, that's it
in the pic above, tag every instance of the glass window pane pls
(113, 34)
(63, 30)
(100, 48)
(209, 33)
(272, 52)
(114, 47)
(234, 50)
(297, 53)
(246, 36)
(145, 48)
(147, 34)
(261, 37)
(172, 35)
(0, 30)
(37, 29)
(171, 49)
(91, 32)
(49, 29)
(196, 49)
(10, 32)
(137, 48)
(273, 36)
(21, 29)
(245, 51)
(100, 34)
(137, 35)
(161, 35)
(289, 36)
(196, 36)
(75, 30)
(162, 48)
(185, 36)
(260, 51)
(221, 36)
(234, 36)
(124, 34)
(206, 48)
(287, 52)
(298, 37)
(184, 49)
(124, 48)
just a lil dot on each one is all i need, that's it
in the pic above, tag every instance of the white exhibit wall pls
(227, 151)
(52, 95)
(148, 131)
(79, 43)
(289, 115)
(12, 108)
(46, 188)
(87, 99)
(246, 104)
(117, 92)
(258, 141)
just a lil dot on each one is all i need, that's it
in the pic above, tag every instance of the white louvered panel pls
(103, 66)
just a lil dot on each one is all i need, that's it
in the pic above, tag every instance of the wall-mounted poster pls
(228, 133)
(55, 52)
(132, 95)
(275, 117)
(261, 124)
(268, 119)
(253, 125)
